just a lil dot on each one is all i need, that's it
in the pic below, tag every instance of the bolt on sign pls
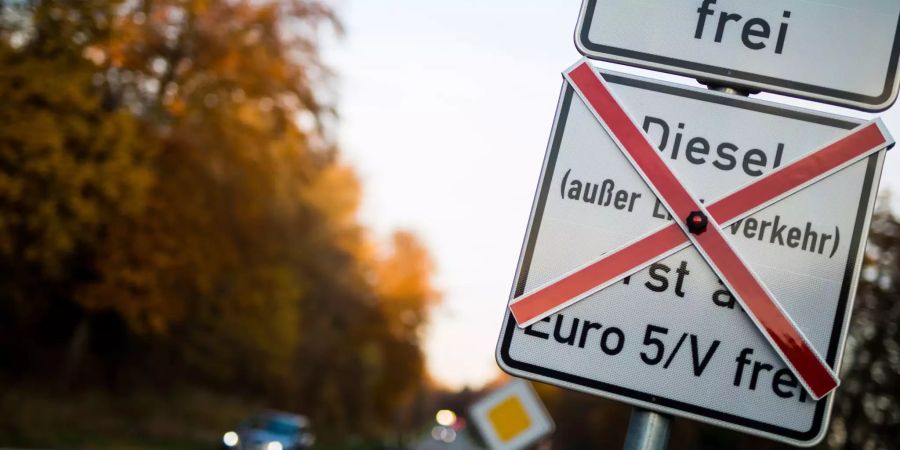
(843, 52)
(511, 417)
(694, 253)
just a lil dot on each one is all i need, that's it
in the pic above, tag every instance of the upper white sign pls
(843, 52)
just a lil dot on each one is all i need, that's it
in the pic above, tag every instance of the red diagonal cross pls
(754, 297)
(616, 264)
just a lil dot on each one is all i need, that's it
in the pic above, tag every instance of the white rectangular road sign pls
(670, 337)
(843, 52)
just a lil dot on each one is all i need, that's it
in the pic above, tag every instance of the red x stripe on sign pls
(781, 332)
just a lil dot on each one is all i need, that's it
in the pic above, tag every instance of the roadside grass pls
(183, 419)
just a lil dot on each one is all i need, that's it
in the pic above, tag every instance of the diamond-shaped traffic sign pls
(511, 417)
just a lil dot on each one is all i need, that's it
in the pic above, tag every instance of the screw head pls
(696, 222)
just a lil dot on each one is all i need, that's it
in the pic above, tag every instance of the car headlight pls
(274, 445)
(230, 439)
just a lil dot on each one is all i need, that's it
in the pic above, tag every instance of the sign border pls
(732, 77)
(845, 301)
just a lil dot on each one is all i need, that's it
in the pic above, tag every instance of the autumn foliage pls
(173, 210)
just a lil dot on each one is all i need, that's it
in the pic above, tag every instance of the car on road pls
(270, 430)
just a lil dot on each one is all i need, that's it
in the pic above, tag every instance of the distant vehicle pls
(270, 430)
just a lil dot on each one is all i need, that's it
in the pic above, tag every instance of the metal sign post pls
(647, 430)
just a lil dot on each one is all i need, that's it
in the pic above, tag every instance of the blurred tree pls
(403, 286)
(867, 406)
(70, 165)
(403, 283)
(170, 164)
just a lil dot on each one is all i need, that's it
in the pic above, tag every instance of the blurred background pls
(214, 208)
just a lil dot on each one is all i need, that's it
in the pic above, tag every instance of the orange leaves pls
(169, 169)
(403, 283)
(69, 166)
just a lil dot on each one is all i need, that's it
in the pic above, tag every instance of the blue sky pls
(446, 108)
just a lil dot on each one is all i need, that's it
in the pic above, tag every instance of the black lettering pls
(695, 146)
(723, 298)
(809, 238)
(620, 341)
(741, 362)
(757, 368)
(782, 33)
(700, 365)
(573, 330)
(664, 138)
(784, 377)
(659, 211)
(621, 200)
(562, 186)
(606, 192)
(762, 228)
(676, 146)
(590, 192)
(655, 268)
(634, 197)
(754, 34)
(529, 330)
(703, 11)
(750, 227)
(735, 227)
(585, 330)
(731, 162)
(575, 190)
(679, 281)
(749, 31)
(724, 18)
(803, 396)
(752, 158)
(825, 238)
(777, 232)
(650, 340)
(793, 237)
(778, 153)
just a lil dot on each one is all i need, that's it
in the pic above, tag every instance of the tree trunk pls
(75, 353)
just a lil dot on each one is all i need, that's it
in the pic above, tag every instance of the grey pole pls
(647, 430)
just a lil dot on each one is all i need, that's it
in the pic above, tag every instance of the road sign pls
(512, 417)
(834, 51)
(702, 228)
(791, 191)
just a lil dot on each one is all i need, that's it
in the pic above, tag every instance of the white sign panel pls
(843, 52)
(511, 417)
(670, 337)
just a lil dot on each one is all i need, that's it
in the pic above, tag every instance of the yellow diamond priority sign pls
(509, 418)
(512, 417)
